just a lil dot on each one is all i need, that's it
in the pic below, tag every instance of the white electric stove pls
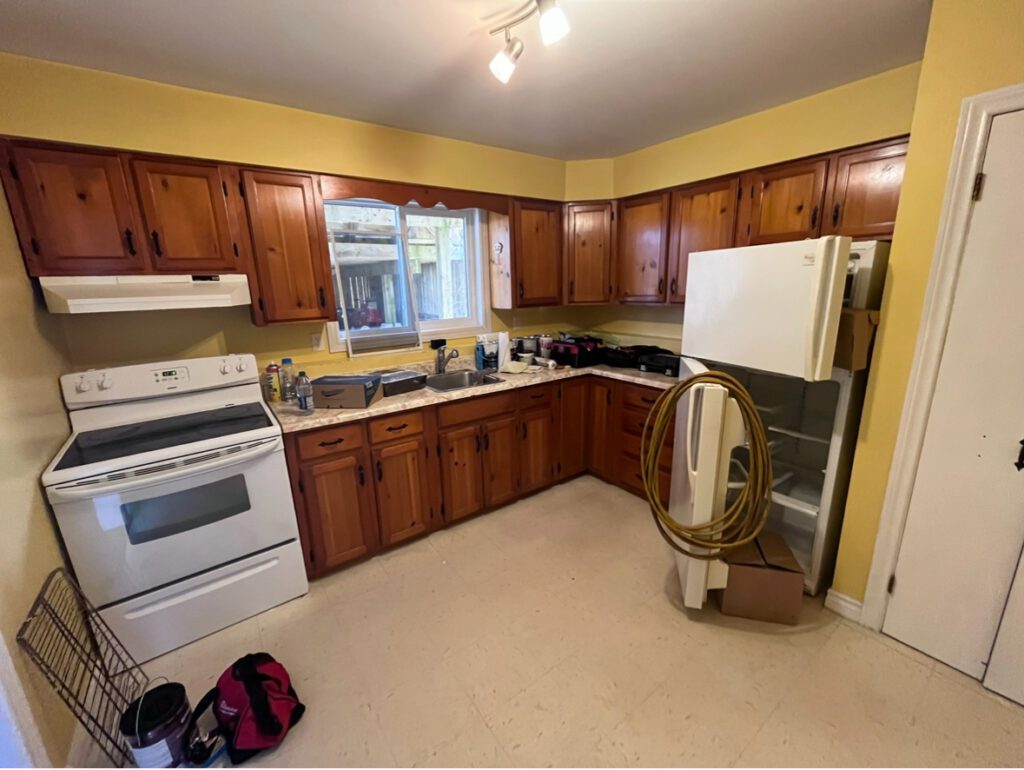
(173, 499)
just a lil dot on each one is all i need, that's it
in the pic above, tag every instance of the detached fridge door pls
(708, 427)
(774, 307)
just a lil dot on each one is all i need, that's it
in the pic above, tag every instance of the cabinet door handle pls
(487, 442)
(672, 287)
(380, 471)
(362, 477)
(323, 297)
(331, 443)
(572, 289)
(524, 430)
(835, 214)
(129, 238)
(520, 290)
(156, 243)
(392, 428)
(478, 443)
(814, 217)
(661, 285)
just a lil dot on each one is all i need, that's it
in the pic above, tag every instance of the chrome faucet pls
(442, 356)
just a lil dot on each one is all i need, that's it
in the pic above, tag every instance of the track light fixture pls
(553, 27)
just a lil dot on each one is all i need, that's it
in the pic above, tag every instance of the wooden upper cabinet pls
(864, 191)
(75, 214)
(341, 509)
(703, 218)
(783, 203)
(403, 489)
(185, 209)
(286, 220)
(588, 252)
(643, 248)
(536, 253)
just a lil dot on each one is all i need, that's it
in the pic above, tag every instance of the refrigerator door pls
(708, 427)
(774, 308)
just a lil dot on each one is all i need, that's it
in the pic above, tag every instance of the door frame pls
(976, 116)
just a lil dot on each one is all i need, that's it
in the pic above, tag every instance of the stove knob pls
(106, 383)
(225, 368)
(82, 386)
(241, 367)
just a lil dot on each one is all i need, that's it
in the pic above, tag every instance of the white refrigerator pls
(769, 316)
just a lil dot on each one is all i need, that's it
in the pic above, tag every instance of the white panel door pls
(1005, 674)
(774, 307)
(965, 524)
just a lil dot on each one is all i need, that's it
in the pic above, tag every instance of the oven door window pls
(177, 512)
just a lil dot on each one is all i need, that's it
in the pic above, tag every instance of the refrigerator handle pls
(691, 464)
(826, 266)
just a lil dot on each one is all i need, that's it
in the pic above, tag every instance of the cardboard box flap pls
(748, 555)
(776, 553)
(854, 337)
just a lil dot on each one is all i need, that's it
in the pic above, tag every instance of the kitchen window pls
(400, 272)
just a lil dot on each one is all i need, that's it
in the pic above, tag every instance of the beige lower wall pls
(32, 348)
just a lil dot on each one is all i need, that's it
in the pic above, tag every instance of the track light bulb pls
(504, 62)
(553, 24)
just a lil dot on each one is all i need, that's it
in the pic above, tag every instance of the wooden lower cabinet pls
(537, 449)
(341, 507)
(572, 432)
(402, 484)
(462, 477)
(501, 460)
(601, 428)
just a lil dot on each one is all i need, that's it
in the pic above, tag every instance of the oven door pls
(130, 535)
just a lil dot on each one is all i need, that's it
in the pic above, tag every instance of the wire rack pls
(85, 663)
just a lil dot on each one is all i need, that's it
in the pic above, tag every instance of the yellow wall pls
(865, 110)
(589, 179)
(971, 48)
(35, 426)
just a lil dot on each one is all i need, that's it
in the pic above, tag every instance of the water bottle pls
(304, 393)
(287, 380)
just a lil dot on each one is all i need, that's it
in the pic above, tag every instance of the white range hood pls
(116, 293)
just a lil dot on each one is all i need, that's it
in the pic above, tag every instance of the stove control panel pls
(97, 387)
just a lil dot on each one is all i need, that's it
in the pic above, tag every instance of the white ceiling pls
(631, 73)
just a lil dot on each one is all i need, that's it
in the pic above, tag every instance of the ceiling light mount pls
(553, 27)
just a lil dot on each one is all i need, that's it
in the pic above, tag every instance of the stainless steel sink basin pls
(460, 380)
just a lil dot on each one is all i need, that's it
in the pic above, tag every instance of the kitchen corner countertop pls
(293, 421)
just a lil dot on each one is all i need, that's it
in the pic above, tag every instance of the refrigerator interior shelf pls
(795, 504)
(798, 435)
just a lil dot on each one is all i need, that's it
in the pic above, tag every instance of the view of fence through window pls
(369, 260)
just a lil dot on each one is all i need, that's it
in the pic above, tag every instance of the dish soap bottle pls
(304, 393)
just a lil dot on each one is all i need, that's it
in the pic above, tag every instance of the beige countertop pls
(292, 420)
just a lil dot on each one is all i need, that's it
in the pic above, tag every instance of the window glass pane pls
(437, 258)
(167, 515)
(366, 258)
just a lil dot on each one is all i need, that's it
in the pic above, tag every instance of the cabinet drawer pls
(475, 409)
(629, 477)
(328, 441)
(631, 450)
(395, 426)
(632, 421)
(539, 395)
(639, 397)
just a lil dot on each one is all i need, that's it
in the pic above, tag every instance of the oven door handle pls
(86, 491)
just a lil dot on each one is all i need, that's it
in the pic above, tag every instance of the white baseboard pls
(843, 606)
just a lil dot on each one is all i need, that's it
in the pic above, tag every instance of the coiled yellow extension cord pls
(745, 517)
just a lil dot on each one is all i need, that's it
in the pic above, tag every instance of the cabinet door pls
(588, 252)
(784, 203)
(341, 511)
(865, 191)
(78, 211)
(185, 209)
(572, 429)
(601, 429)
(536, 449)
(703, 218)
(461, 472)
(501, 460)
(537, 253)
(403, 489)
(643, 248)
(289, 247)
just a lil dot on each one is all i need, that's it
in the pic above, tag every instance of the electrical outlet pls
(317, 341)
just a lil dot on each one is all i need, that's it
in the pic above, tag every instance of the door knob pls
(1019, 465)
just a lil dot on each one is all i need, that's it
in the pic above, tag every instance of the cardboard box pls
(853, 340)
(347, 391)
(765, 582)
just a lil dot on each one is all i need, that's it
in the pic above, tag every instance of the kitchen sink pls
(460, 380)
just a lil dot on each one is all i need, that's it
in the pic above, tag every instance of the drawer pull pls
(537, 395)
(331, 443)
(647, 399)
(393, 428)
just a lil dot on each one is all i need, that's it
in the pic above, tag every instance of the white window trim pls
(479, 320)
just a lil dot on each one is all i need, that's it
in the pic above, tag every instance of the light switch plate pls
(317, 341)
